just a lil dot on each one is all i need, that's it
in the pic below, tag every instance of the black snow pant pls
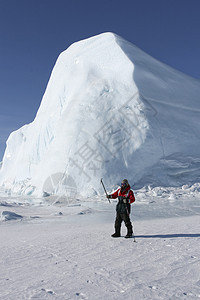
(118, 221)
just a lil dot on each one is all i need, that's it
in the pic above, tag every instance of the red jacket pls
(128, 193)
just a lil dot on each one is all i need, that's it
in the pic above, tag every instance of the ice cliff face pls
(110, 111)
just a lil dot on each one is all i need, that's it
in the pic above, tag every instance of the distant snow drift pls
(112, 111)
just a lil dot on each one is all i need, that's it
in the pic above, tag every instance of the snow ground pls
(64, 251)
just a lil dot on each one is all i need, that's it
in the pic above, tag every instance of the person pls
(125, 198)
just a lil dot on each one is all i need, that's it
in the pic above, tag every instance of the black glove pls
(109, 196)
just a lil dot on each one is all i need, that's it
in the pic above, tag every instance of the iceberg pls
(109, 111)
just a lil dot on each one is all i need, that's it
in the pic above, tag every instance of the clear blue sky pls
(34, 32)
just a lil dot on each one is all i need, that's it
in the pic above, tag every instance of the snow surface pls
(58, 251)
(112, 111)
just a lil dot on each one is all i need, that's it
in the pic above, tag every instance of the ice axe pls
(104, 189)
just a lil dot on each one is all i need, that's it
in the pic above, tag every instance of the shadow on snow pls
(169, 236)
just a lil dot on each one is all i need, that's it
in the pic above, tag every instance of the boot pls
(129, 230)
(129, 235)
(116, 234)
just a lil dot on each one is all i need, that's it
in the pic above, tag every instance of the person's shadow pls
(169, 236)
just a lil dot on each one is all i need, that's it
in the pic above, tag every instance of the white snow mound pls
(112, 111)
(9, 215)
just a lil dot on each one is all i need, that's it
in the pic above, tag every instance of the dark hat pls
(125, 182)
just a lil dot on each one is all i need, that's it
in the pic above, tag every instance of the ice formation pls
(112, 111)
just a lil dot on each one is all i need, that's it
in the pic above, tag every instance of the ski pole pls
(104, 189)
(134, 234)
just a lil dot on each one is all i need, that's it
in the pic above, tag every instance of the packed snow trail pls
(58, 260)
